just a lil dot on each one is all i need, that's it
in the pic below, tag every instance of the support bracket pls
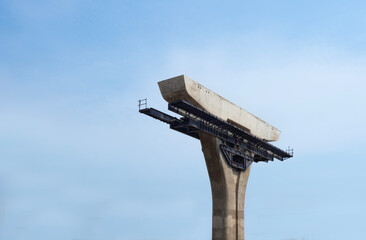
(237, 159)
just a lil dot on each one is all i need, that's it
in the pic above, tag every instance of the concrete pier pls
(228, 191)
(228, 184)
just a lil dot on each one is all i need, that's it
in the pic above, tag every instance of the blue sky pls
(78, 162)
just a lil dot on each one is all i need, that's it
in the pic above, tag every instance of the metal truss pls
(239, 147)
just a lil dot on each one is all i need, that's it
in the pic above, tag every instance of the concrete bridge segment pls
(184, 88)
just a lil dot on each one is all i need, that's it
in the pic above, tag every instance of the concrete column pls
(228, 191)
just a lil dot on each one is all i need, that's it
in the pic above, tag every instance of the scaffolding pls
(239, 147)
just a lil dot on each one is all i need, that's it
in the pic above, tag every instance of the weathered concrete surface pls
(184, 88)
(228, 191)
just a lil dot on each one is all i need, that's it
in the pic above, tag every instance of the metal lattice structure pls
(239, 147)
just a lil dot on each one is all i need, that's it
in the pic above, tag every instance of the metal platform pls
(239, 147)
